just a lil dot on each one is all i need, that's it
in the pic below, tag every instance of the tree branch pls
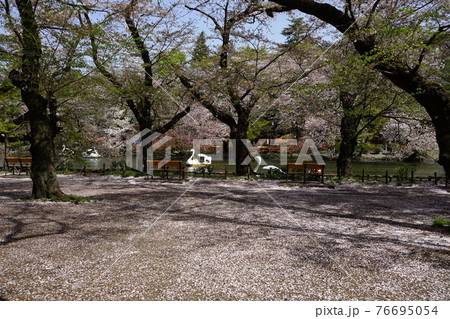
(371, 13)
(378, 115)
(218, 114)
(323, 11)
(427, 45)
(7, 8)
(169, 125)
(140, 45)
(101, 68)
(214, 20)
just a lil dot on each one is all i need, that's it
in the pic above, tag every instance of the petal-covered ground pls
(223, 240)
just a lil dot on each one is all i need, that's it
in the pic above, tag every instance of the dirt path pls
(217, 240)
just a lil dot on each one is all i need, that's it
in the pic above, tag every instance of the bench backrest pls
(174, 163)
(11, 160)
(315, 166)
(168, 164)
(295, 166)
(25, 160)
(305, 166)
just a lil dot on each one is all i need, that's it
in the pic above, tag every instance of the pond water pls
(372, 168)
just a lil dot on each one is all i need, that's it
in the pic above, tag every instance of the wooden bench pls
(17, 164)
(305, 169)
(169, 167)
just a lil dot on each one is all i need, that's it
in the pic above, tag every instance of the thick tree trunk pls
(346, 151)
(239, 133)
(145, 124)
(349, 131)
(443, 140)
(43, 173)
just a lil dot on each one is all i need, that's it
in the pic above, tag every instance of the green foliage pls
(249, 53)
(404, 172)
(442, 223)
(66, 198)
(267, 126)
(201, 49)
(275, 175)
(365, 148)
(117, 165)
(295, 32)
(9, 109)
(170, 60)
(256, 130)
(74, 199)
(378, 149)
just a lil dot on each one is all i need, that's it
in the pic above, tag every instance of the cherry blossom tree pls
(244, 73)
(398, 39)
(43, 38)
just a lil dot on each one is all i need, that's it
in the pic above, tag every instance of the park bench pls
(305, 169)
(169, 167)
(17, 164)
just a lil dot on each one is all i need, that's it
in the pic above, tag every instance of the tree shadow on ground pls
(376, 213)
(22, 188)
(316, 209)
(125, 206)
(356, 238)
(24, 228)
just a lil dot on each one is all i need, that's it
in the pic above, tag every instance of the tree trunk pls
(6, 145)
(225, 149)
(144, 124)
(43, 173)
(345, 158)
(239, 133)
(349, 129)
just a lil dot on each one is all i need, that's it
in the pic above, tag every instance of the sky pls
(278, 23)
(281, 21)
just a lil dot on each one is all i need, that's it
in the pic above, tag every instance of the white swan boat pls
(196, 163)
(274, 168)
(91, 153)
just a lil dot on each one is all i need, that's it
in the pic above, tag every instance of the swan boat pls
(198, 162)
(274, 168)
(91, 153)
